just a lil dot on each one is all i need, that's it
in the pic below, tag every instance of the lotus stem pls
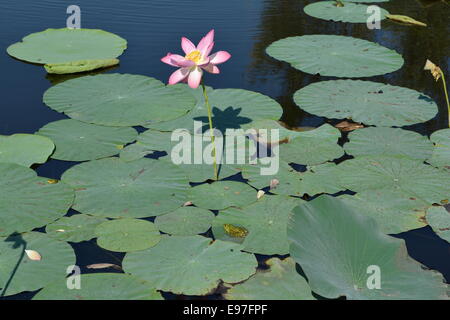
(211, 130)
(446, 96)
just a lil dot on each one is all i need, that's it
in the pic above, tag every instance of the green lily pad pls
(317, 179)
(28, 201)
(412, 177)
(25, 149)
(76, 228)
(113, 188)
(222, 194)
(147, 143)
(192, 265)
(342, 253)
(19, 273)
(441, 150)
(367, 102)
(68, 46)
(101, 286)
(392, 210)
(313, 147)
(350, 12)
(79, 141)
(231, 109)
(266, 223)
(185, 221)
(120, 100)
(389, 142)
(126, 235)
(336, 56)
(439, 220)
(79, 66)
(280, 282)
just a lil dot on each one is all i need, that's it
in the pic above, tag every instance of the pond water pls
(244, 28)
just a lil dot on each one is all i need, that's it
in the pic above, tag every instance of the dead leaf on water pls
(405, 19)
(346, 126)
(103, 266)
(33, 255)
(260, 194)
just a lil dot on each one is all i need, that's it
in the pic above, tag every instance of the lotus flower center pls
(195, 56)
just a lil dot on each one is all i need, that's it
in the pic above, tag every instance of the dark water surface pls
(244, 28)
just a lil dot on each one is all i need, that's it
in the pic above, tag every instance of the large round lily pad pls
(279, 282)
(113, 188)
(439, 220)
(76, 228)
(25, 149)
(265, 221)
(389, 142)
(316, 179)
(68, 45)
(350, 12)
(336, 56)
(28, 201)
(338, 262)
(411, 177)
(222, 194)
(231, 109)
(394, 211)
(367, 102)
(126, 235)
(19, 273)
(441, 150)
(192, 265)
(313, 147)
(79, 141)
(185, 221)
(118, 100)
(101, 286)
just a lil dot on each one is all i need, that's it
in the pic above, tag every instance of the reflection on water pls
(244, 28)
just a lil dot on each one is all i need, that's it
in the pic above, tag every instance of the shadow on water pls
(18, 242)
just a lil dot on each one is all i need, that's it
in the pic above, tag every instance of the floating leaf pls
(313, 147)
(78, 49)
(389, 142)
(441, 149)
(412, 177)
(118, 100)
(24, 274)
(96, 266)
(101, 286)
(288, 181)
(185, 221)
(25, 149)
(346, 126)
(114, 188)
(231, 109)
(394, 211)
(349, 12)
(280, 282)
(78, 141)
(28, 201)
(405, 20)
(266, 222)
(192, 265)
(33, 255)
(336, 56)
(126, 235)
(79, 66)
(222, 194)
(76, 228)
(439, 219)
(367, 102)
(342, 263)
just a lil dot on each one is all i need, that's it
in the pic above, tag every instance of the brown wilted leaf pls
(435, 71)
(346, 126)
(33, 255)
(103, 266)
(405, 19)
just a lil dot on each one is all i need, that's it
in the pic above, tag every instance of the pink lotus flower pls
(196, 59)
